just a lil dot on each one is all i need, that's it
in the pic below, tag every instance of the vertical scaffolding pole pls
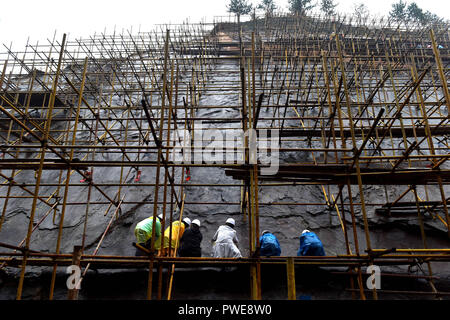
(158, 168)
(291, 278)
(40, 169)
(67, 182)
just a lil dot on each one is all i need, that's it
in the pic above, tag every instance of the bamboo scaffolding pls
(361, 102)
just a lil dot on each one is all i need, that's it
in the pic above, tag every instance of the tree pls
(360, 12)
(239, 7)
(268, 6)
(431, 18)
(398, 12)
(415, 13)
(327, 6)
(300, 6)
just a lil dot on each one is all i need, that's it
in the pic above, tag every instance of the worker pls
(191, 240)
(87, 177)
(225, 241)
(177, 232)
(269, 245)
(138, 175)
(310, 245)
(143, 233)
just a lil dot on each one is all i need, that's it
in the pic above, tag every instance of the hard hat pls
(265, 231)
(160, 216)
(305, 231)
(187, 220)
(197, 222)
(230, 221)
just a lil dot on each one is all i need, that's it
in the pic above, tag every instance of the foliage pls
(268, 6)
(328, 6)
(398, 12)
(415, 13)
(431, 18)
(412, 13)
(360, 12)
(239, 7)
(300, 6)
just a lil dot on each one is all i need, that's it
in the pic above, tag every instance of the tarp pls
(269, 245)
(310, 245)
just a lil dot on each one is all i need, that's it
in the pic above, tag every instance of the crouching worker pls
(191, 240)
(310, 245)
(143, 233)
(269, 244)
(177, 232)
(225, 241)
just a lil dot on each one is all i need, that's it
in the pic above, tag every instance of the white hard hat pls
(187, 220)
(265, 231)
(160, 216)
(230, 221)
(197, 222)
(305, 231)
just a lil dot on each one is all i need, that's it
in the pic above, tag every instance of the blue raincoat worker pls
(310, 245)
(269, 244)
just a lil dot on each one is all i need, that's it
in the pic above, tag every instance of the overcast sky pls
(38, 19)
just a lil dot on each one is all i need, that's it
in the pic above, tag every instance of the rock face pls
(285, 221)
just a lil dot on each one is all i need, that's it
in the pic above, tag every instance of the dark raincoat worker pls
(191, 240)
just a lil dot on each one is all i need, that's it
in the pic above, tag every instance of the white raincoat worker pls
(225, 241)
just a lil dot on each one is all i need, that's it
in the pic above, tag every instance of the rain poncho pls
(310, 245)
(143, 230)
(225, 241)
(269, 245)
(177, 233)
(190, 243)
